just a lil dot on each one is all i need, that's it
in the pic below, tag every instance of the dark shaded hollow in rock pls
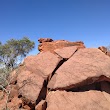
(99, 86)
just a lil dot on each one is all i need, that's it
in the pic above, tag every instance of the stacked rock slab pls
(85, 67)
(51, 45)
(63, 76)
(66, 52)
(91, 100)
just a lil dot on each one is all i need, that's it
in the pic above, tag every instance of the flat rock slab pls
(91, 100)
(29, 85)
(45, 62)
(66, 52)
(84, 67)
(51, 46)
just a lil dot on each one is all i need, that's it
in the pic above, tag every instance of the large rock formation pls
(44, 62)
(50, 45)
(36, 71)
(86, 66)
(63, 76)
(30, 85)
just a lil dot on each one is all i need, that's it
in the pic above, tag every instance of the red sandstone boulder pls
(30, 85)
(51, 46)
(91, 100)
(85, 67)
(66, 52)
(45, 62)
(31, 80)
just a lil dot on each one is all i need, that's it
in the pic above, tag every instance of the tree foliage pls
(14, 50)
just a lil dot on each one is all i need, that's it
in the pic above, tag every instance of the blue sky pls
(73, 20)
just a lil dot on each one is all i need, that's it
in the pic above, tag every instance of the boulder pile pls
(62, 76)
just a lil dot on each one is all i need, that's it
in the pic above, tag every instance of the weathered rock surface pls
(84, 67)
(66, 52)
(44, 62)
(35, 71)
(14, 104)
(13, 76)
(91, 100)
(13, 91)
(3, 99)
(51, 46)
(30, 85)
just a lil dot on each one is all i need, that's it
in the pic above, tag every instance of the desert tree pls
(13, 51)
